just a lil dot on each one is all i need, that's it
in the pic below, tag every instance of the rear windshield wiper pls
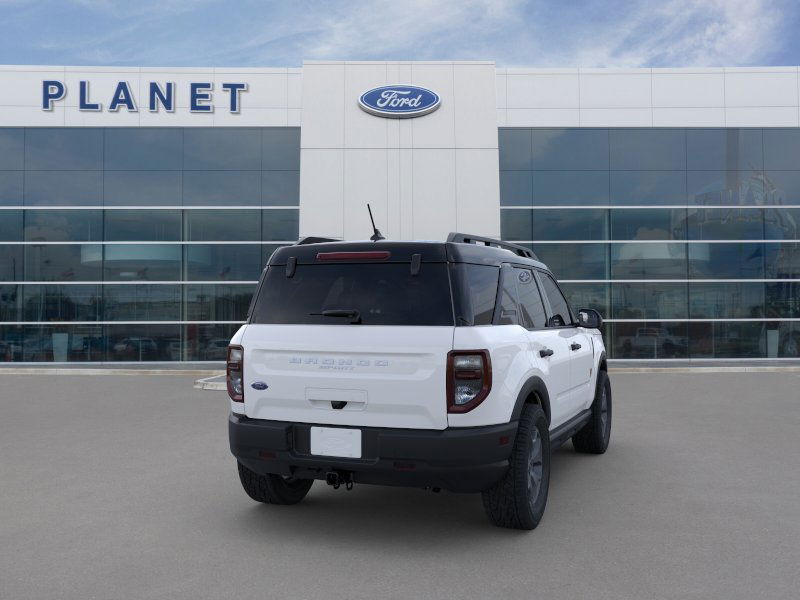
(347, 313)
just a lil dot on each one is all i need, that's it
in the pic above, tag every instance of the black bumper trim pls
(468, 459)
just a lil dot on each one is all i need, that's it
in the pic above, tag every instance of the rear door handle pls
(545, 352)
(575, 346)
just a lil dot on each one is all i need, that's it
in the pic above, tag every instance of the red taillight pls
(469, 379)
(234, 373)
(367, 255)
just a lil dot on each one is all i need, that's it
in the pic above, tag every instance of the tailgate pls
(371, 376)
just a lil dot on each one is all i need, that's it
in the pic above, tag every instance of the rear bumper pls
(469, 459)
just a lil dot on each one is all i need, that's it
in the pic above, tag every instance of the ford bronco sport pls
(456, 365)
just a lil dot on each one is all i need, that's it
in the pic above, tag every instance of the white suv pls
(456, 365)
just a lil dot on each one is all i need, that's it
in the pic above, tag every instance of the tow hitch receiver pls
(338, 478)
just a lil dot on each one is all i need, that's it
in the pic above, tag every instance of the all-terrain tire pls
(518, 500)
(595, 435)
(273, 489)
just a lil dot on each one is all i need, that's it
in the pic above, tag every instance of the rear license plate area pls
(336, 441)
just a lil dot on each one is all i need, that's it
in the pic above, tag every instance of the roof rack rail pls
(315, 240)
(466, 238)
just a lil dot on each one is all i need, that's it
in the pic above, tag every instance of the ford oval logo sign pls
(399, 101)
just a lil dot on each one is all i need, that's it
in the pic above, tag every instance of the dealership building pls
(138, 206)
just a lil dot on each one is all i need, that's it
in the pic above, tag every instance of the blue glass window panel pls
(222, 225)
(729, 188)
(648, 224)
(575, 261)
(650, 339)
(143, 148)
(726, 261)
(562, 188)
(648, 187)
(516, 188)
(222, 188)
(142, 302)
(570, 149)
(724, 149)
(62, 302)
(143, 343)
(280, 188)
(208, 342)
(587, 295)
(222, 148)
(782, 148)
(280, 225)
(63, 343)
(640, 300)
(10, 225)
(516, 225)
(63, 262)
(143, 188)
(726, 224)
(783, 299)
(142, 262)
(514, 146)
(64, 148)
(782, 260)
(10, 309)
(63, 188)
(783, 340)
(648, 149)
(726, 300)
(11, 188)
(63, 225)
(12, 148)
(11, 263)
(209, 302)
(280, 148)
(648, 261)
(727, 340)
(579, 225)
(231, 262)
(783, 187)
(142, 225)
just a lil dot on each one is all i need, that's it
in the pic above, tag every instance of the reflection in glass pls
(782, 260)
(648, 187)
(208, 342)
(648, 261)
(63, 262)
(724, 149)
(587, 295)
(562, 188)
(516, 224)
(726, 261)
(142, 302)
(143, 225)
(62, 343)
(516, 188)
(726, 300)
(515, 149)
(10, 305)
(648, 149)
(731, 188)
(143, 342)
(221, 188)
(650, 339)
(63, 188)
(639, 300)
(218, 302)
(222, 148)
(63, 225)
(280, 224)
(148, 262)
(10, 225)
(579, 225)
(574, 261)
(12, 148)
(727, 340)
(726, 224)
(280, 188)
(63, 148)
(783, 299)
(142, 188)
(648, 224)
(233, 262)
(143, 148)
(62, 303)
(570, 149)
(280, 148)
(11, 188)
(222, 225)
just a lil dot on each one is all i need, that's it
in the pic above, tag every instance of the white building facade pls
(139, 205)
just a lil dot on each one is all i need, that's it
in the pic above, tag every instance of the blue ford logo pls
(399, 101)
(259, 385)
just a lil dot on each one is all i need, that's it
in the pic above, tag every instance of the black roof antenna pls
(377, 235)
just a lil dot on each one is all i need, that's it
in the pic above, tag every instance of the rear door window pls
(475, 293)
(530, 300)
(558, 304)
(382, 294)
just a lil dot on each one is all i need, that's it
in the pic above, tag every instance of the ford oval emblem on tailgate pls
(259, 385)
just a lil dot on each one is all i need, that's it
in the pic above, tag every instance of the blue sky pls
(586, 33)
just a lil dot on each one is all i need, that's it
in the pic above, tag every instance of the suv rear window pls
(383, 294)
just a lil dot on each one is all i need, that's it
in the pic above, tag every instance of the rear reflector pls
(367, 255)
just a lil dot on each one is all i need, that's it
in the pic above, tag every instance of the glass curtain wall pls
(138, 244)
(685, 240)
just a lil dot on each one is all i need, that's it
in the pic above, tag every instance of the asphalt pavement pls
(116, 486)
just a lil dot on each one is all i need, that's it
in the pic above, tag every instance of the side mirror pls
(589, 318)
